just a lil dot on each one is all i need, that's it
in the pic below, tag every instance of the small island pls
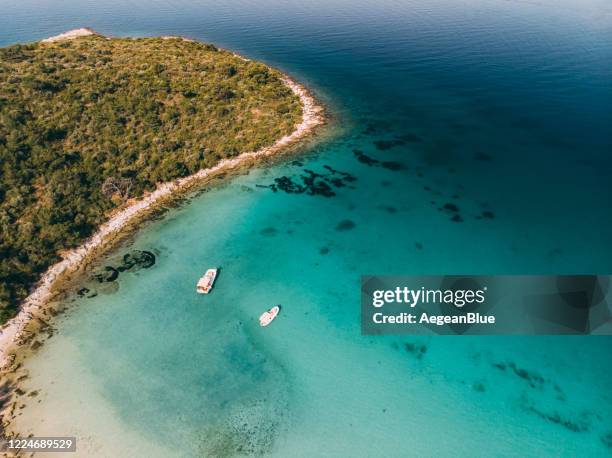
(94, 131)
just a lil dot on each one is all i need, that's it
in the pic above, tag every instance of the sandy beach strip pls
(13, 332)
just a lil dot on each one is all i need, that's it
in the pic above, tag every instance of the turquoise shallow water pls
(499, 107)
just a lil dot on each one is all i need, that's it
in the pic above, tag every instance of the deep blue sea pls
(500, 107)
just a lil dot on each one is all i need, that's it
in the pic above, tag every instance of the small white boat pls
(267, 317)
(205, 283)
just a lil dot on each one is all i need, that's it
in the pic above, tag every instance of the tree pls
(117, 188)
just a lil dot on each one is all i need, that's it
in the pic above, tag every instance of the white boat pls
(267, 317)
(205, 283)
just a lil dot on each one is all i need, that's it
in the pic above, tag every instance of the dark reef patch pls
(418, 245)
(364, 158)
(578, 426)
(488, 214)
(316, 184)
(479, 387)
(107, 274)
(136, 260)
(559, 394)
(324, 250)
(345, 175)
(392, 165)
(345, 225)
(534, 379)
(384, 145)
(451, 207)
(371, 162)
(456, 219)
(268, 231)
(415, 349)
(132, 261)
(86, 292)
(312, 183)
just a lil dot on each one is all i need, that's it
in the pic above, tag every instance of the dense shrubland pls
(87, 124)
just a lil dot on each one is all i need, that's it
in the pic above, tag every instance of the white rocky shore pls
(70, 35)
(13, 331)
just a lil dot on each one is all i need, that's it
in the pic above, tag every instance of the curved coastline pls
(14, 333)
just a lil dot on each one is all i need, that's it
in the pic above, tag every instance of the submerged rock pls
(316, 184)
(345, 175)
(345, 225)
(132, 261)
(392, 165)
(451, 207)
(388, 144)
(268, 231)
(139, 259)
(417, 350)
(371, 162)
(287, 185)
(108, 274)
(312, 183)
(533, 378)
(365, 159)
(86, 292)
(578, 425)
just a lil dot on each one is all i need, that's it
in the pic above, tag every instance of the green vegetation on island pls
(89, 123)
